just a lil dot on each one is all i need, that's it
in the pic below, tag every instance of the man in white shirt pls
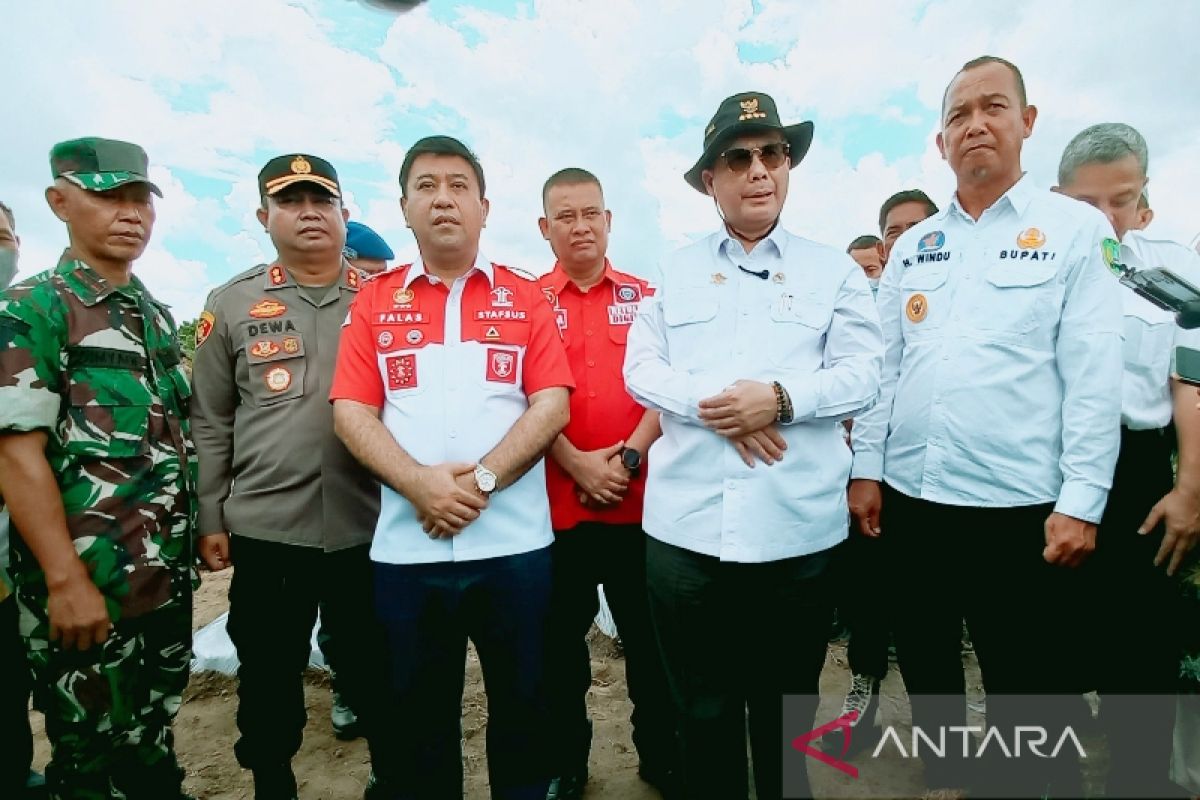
(756, 345)
(992, 447)
(1153, 518)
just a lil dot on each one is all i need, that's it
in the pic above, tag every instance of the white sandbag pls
(212, 649)
(604, 619)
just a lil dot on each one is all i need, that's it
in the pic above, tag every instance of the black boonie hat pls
(100, 165)
(748, 112)
(284, 171)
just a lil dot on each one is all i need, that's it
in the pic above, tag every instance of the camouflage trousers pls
(109, 709)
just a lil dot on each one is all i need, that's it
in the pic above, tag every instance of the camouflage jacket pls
(97, 367)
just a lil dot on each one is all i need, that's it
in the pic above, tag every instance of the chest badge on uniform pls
(267, 308)
(204, 326)
(627, 293)
(402, 298)
(402, 372)
(414, 336)
(931, 242)
(560, 317)
(385, 339)
(492, 333)
(502, 366)
(278, 379)
(264, 348)
(1031, 239)
(778, 277)
(502, 297)
(550, 296)
(718, 278)
(291, 345)
(917, 308)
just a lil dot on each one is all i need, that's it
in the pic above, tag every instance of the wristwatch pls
(485, 479)
(632, 460)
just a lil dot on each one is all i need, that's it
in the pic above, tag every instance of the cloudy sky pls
(624, 88)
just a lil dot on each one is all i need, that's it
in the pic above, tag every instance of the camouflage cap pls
(100, 165)
(284, 171)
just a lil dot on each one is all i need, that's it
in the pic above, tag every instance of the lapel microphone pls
(762, 273)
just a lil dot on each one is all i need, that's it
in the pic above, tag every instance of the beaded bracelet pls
(783, 404)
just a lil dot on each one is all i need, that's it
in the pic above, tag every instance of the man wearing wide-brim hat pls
(756, 344)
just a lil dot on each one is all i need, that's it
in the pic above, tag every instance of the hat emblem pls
(750, 110)
(300, 166)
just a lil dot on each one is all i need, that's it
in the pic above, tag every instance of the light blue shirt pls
(1151, 335)
(1002, 368)
(812, 326)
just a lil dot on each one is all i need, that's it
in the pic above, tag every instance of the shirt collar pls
(1018, 196)
(91, 287)
(777, 238)
(481, 265)
(558, 278)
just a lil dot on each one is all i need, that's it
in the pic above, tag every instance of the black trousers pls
(985, 565)
(865, 601)
(17, 751)
(589, 554)
(735, 638)
(1135, 647)
(273, 602)
(428, 612)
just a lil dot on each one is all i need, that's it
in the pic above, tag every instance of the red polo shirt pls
(594, 326)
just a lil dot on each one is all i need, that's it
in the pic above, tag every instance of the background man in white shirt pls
(1153, 518)
(997, 428)
(756, 345)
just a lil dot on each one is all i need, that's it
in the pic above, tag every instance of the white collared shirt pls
(812, 326)
(1002, 369)
(1151, 334)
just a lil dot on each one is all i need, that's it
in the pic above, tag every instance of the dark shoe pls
(35, 787)
(661, 777)
(275, 783)
(567, 787)
(345, 721)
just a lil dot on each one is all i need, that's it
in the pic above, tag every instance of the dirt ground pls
(328, 769)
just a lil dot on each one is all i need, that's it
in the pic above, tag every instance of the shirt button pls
(589, 333)
(591, 394)
(452, 433)
(591, 363)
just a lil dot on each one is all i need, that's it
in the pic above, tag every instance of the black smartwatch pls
(632, 460)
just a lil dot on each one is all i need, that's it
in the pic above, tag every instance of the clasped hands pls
(744, 413)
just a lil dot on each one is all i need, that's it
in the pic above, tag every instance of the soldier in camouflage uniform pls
(99, 473)
(16, 779)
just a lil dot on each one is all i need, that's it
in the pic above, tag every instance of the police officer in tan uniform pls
(280, 497)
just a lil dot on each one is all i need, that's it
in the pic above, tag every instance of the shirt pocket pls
(108, 404)
(277, 367)
(926, 301)
(690, 316)
(1149, 336)
(1016, 301)
(799, 324)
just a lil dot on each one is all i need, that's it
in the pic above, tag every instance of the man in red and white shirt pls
(596, 479)
(451, 383)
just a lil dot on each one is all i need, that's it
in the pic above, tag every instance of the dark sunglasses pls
(739, 159)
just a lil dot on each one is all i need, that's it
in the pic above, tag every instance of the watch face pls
(632, 459)
(485, 480)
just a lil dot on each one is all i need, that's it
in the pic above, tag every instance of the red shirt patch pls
(402, 372)
(501, 365)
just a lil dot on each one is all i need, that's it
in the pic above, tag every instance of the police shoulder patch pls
(204, 327)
